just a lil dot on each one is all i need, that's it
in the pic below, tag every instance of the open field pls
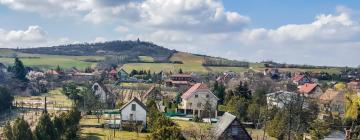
(191, 63)
(104, 134)
(49, 61)
(146, 59)
(54, 96)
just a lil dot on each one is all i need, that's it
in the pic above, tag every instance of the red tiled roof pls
(298, 78)
(307, 88)
(193, 89)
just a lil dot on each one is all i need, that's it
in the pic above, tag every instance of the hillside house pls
(133, 112)
(179, 80)
(196, 99)
(227, 76)
(229, 127)
(280, 98)
(272, 73)
(353, 85)
(122, 75)
(154, 93)
(301, 79)
(311, 90)
(333, 101)
(102, 92)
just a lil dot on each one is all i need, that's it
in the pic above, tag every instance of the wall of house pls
(200, 99)
(139, 114)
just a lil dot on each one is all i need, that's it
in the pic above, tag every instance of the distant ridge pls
(133, 48)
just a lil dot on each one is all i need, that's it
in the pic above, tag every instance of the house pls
(154, 93)
(122, 75)
(301, 79)
(3, 68)
(102, 92)
(333, 101)
(311, 90)
(227, 76)
(196, 99)
(353, 85)
(272, 73)
(133, 112)
(280, 98)
(229, 127)
(113, 74)
(179, 80)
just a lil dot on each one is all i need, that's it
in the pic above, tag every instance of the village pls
(140, 104)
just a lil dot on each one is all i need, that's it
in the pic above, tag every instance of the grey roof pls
(135, 100)
(224, 123)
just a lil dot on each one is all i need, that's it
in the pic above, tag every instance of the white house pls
(133, 111)
(196, 99)
(101, 91)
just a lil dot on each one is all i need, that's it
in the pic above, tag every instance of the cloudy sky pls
(323, 32)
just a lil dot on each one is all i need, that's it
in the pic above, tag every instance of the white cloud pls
(33, 36)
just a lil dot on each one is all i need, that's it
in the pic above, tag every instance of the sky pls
(322, 32)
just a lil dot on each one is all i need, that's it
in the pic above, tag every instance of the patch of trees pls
(221, 62)
(271, 64)
(6, 98)
(137, 48)
(65, 126)
(160, 126)
(18, 70)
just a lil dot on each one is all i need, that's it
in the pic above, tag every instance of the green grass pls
(91, 121)
(104, 134)
(53, 95)
(146, 59)
(258, 134)
(50, 61)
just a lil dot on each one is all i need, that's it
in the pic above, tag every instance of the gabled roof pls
(225, 121)
(193, 89)
(307, 88)
(134, 100)
(298, 78)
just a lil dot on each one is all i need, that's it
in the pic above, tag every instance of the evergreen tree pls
(6, 98)
(180, 71)
(237, 106)
(21, 130)
(59, 124)
(8, 134)
(19, 70)
(243, 90)
(45, 129)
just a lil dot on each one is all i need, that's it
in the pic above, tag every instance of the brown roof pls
(135, 100)
(193, 89)
(331, 94)
(180, 82)
(307, 88)
(298, 77)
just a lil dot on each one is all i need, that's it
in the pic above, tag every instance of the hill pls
(129, 48)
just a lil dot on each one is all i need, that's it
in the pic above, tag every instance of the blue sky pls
(319, 32)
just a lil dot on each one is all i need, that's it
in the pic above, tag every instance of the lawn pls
(104, 134)
(146, 59)
(258, 134)
(50, 61)
(53, 95)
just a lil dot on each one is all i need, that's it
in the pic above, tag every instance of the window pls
(196, 96)
(133, 107)
(207, 95)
